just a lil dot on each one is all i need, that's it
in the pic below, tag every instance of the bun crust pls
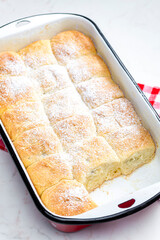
(67, 198)
(49, 171)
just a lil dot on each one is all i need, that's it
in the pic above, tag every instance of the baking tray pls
(123, 195)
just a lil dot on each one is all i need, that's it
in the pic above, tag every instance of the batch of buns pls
(70, 123)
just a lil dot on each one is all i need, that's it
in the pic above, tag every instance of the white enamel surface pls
(15, 200)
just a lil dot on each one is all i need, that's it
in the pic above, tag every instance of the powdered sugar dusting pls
(63, 104)
(74, 129)
(70, 45)
(65, 52)
(14, 68)
(19, 85)
(115, 115)
(71, 193)
(12, 64)
(39, 141)
(77, 72)
(14, 89)
(37, 61)
(98, 91)
(52, 78)
(24, 116)
(86, 67)
(127, 140)
(124, 112)
(67, 198)
(104, 119)
(37, 54)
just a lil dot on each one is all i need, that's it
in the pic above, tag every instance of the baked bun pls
(98, 91)
(14, 90)
(94, 162)
(114, 115)
(11, 64)
(74, 129)
(67, 198)
(49, 171)
(70, 45)
(133, 145)
(87, 67)
(63, 104)
(51, 78)
(22, 117)
(36, 143)
(38, 54)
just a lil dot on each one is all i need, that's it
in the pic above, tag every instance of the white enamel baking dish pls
(123, 195)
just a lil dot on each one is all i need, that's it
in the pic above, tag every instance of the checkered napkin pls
(152, 93)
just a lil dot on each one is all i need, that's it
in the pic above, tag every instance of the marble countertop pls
(132, 28)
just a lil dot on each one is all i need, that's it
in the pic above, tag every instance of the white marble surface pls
(132, 28)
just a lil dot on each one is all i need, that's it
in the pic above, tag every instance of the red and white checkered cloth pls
(152, 93)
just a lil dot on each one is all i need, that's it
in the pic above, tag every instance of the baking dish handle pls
(123, 207)
(27, 23)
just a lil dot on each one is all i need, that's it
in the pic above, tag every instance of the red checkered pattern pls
(152, 93)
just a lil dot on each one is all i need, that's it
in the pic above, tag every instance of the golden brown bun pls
(11, 64)
(14, 90)
(133, 145)
(49, 171)
(52, 78)
(38, 54)
(114, 115)
(36, 143)
(67, 198)
(24, 116)
(87, 67)
(94, 162)
(63, 104)
(98, 91)
(74, 129)
(70, 45)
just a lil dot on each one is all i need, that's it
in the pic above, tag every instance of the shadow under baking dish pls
(136, 191)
